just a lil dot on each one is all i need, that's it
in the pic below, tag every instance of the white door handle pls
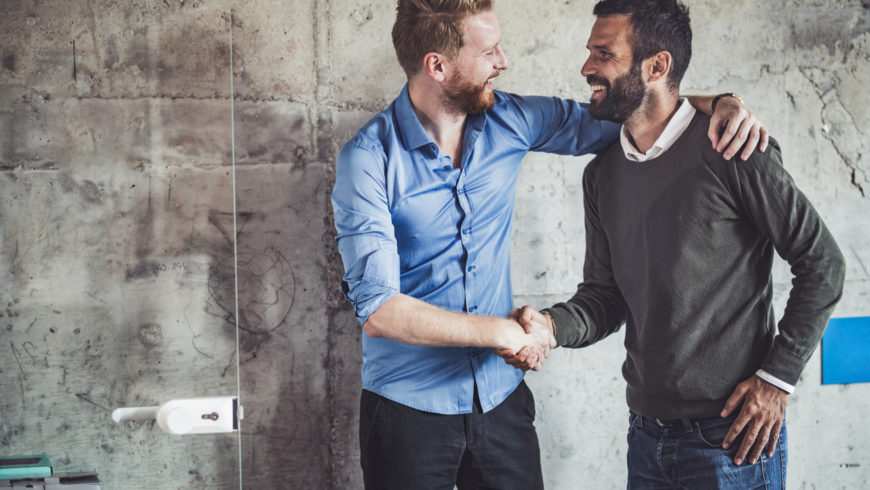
(189, 415)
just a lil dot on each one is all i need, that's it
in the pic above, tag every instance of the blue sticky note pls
(846, 351)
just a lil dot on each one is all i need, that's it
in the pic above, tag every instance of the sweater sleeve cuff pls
(788, 388)
(783, 365)
(569, 333)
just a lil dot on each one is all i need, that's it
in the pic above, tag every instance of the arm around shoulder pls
(561, 126)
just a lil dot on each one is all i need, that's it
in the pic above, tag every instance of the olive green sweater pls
(680, 248)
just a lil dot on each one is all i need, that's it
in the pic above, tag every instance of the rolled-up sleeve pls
(366, 240)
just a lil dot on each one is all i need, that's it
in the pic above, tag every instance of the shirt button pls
(471, 268)
(466, 231)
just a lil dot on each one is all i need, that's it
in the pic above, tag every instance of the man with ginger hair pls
(423, 202)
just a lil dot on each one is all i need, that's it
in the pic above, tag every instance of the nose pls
(502, 62)
(587, 68)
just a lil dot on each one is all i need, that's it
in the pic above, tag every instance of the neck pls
(648, 122)
(443, 125)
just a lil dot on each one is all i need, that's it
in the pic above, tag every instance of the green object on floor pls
(27, 466)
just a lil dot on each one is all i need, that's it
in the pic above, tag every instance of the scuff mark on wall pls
(267, 291)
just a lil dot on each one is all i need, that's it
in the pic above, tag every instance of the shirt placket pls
(466, 236)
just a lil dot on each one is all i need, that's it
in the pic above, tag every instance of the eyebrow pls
(603, 47)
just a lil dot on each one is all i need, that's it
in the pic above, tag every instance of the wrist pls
(509, 335)
(551, 323)
(722, 96)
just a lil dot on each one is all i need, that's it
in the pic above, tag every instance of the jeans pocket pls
(370, 405)
(713, 432)
(528, 399)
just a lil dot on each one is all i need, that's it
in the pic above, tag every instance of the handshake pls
(530, 344)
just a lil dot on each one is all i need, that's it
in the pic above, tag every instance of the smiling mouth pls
(597, 88)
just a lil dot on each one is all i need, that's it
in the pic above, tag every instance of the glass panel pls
(282, 197)
(116, 267)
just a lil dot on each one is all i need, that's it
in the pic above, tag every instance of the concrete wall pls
(117, 131)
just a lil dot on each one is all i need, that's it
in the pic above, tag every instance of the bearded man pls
(423, 202)
(679, 246)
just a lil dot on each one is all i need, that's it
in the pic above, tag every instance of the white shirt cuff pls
(761, 373)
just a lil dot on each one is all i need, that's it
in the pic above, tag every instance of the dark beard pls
(463, 96)
(623, 97)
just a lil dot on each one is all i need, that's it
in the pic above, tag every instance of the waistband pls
(686, 424)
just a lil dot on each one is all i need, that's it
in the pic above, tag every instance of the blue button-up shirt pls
(409, 222)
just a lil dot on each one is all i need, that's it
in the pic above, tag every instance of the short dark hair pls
(657, 25)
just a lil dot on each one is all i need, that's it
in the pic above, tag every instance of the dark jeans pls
(402, 448)
(688, 454)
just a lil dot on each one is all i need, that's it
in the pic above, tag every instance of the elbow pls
(839, 274)
(835, 275)
(373, 326)
(380, 322)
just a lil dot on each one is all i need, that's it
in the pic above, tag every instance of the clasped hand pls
(538, 340)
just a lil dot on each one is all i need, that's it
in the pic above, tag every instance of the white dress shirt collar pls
(675, 128)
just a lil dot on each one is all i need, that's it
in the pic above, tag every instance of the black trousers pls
(402, 448)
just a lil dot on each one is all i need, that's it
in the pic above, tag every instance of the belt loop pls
(635, 419)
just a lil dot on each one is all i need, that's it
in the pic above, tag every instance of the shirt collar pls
(414, 136)
(675, 128)
(412, 132)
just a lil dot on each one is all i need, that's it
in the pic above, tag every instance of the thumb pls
(527, 316)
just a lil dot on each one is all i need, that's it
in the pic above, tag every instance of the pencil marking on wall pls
(85, 397)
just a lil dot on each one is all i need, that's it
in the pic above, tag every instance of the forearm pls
(816, 289)
(411, 321)
(592, 314)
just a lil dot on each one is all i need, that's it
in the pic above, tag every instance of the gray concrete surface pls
(117, 282)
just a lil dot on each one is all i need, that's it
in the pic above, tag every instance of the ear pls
(659, 65)
(434, 65)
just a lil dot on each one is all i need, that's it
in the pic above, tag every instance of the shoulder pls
(373, 135)
(364, 156)
(768, 162)
(506, 100)
(605, 160)
(508, 107)
(368, 146)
